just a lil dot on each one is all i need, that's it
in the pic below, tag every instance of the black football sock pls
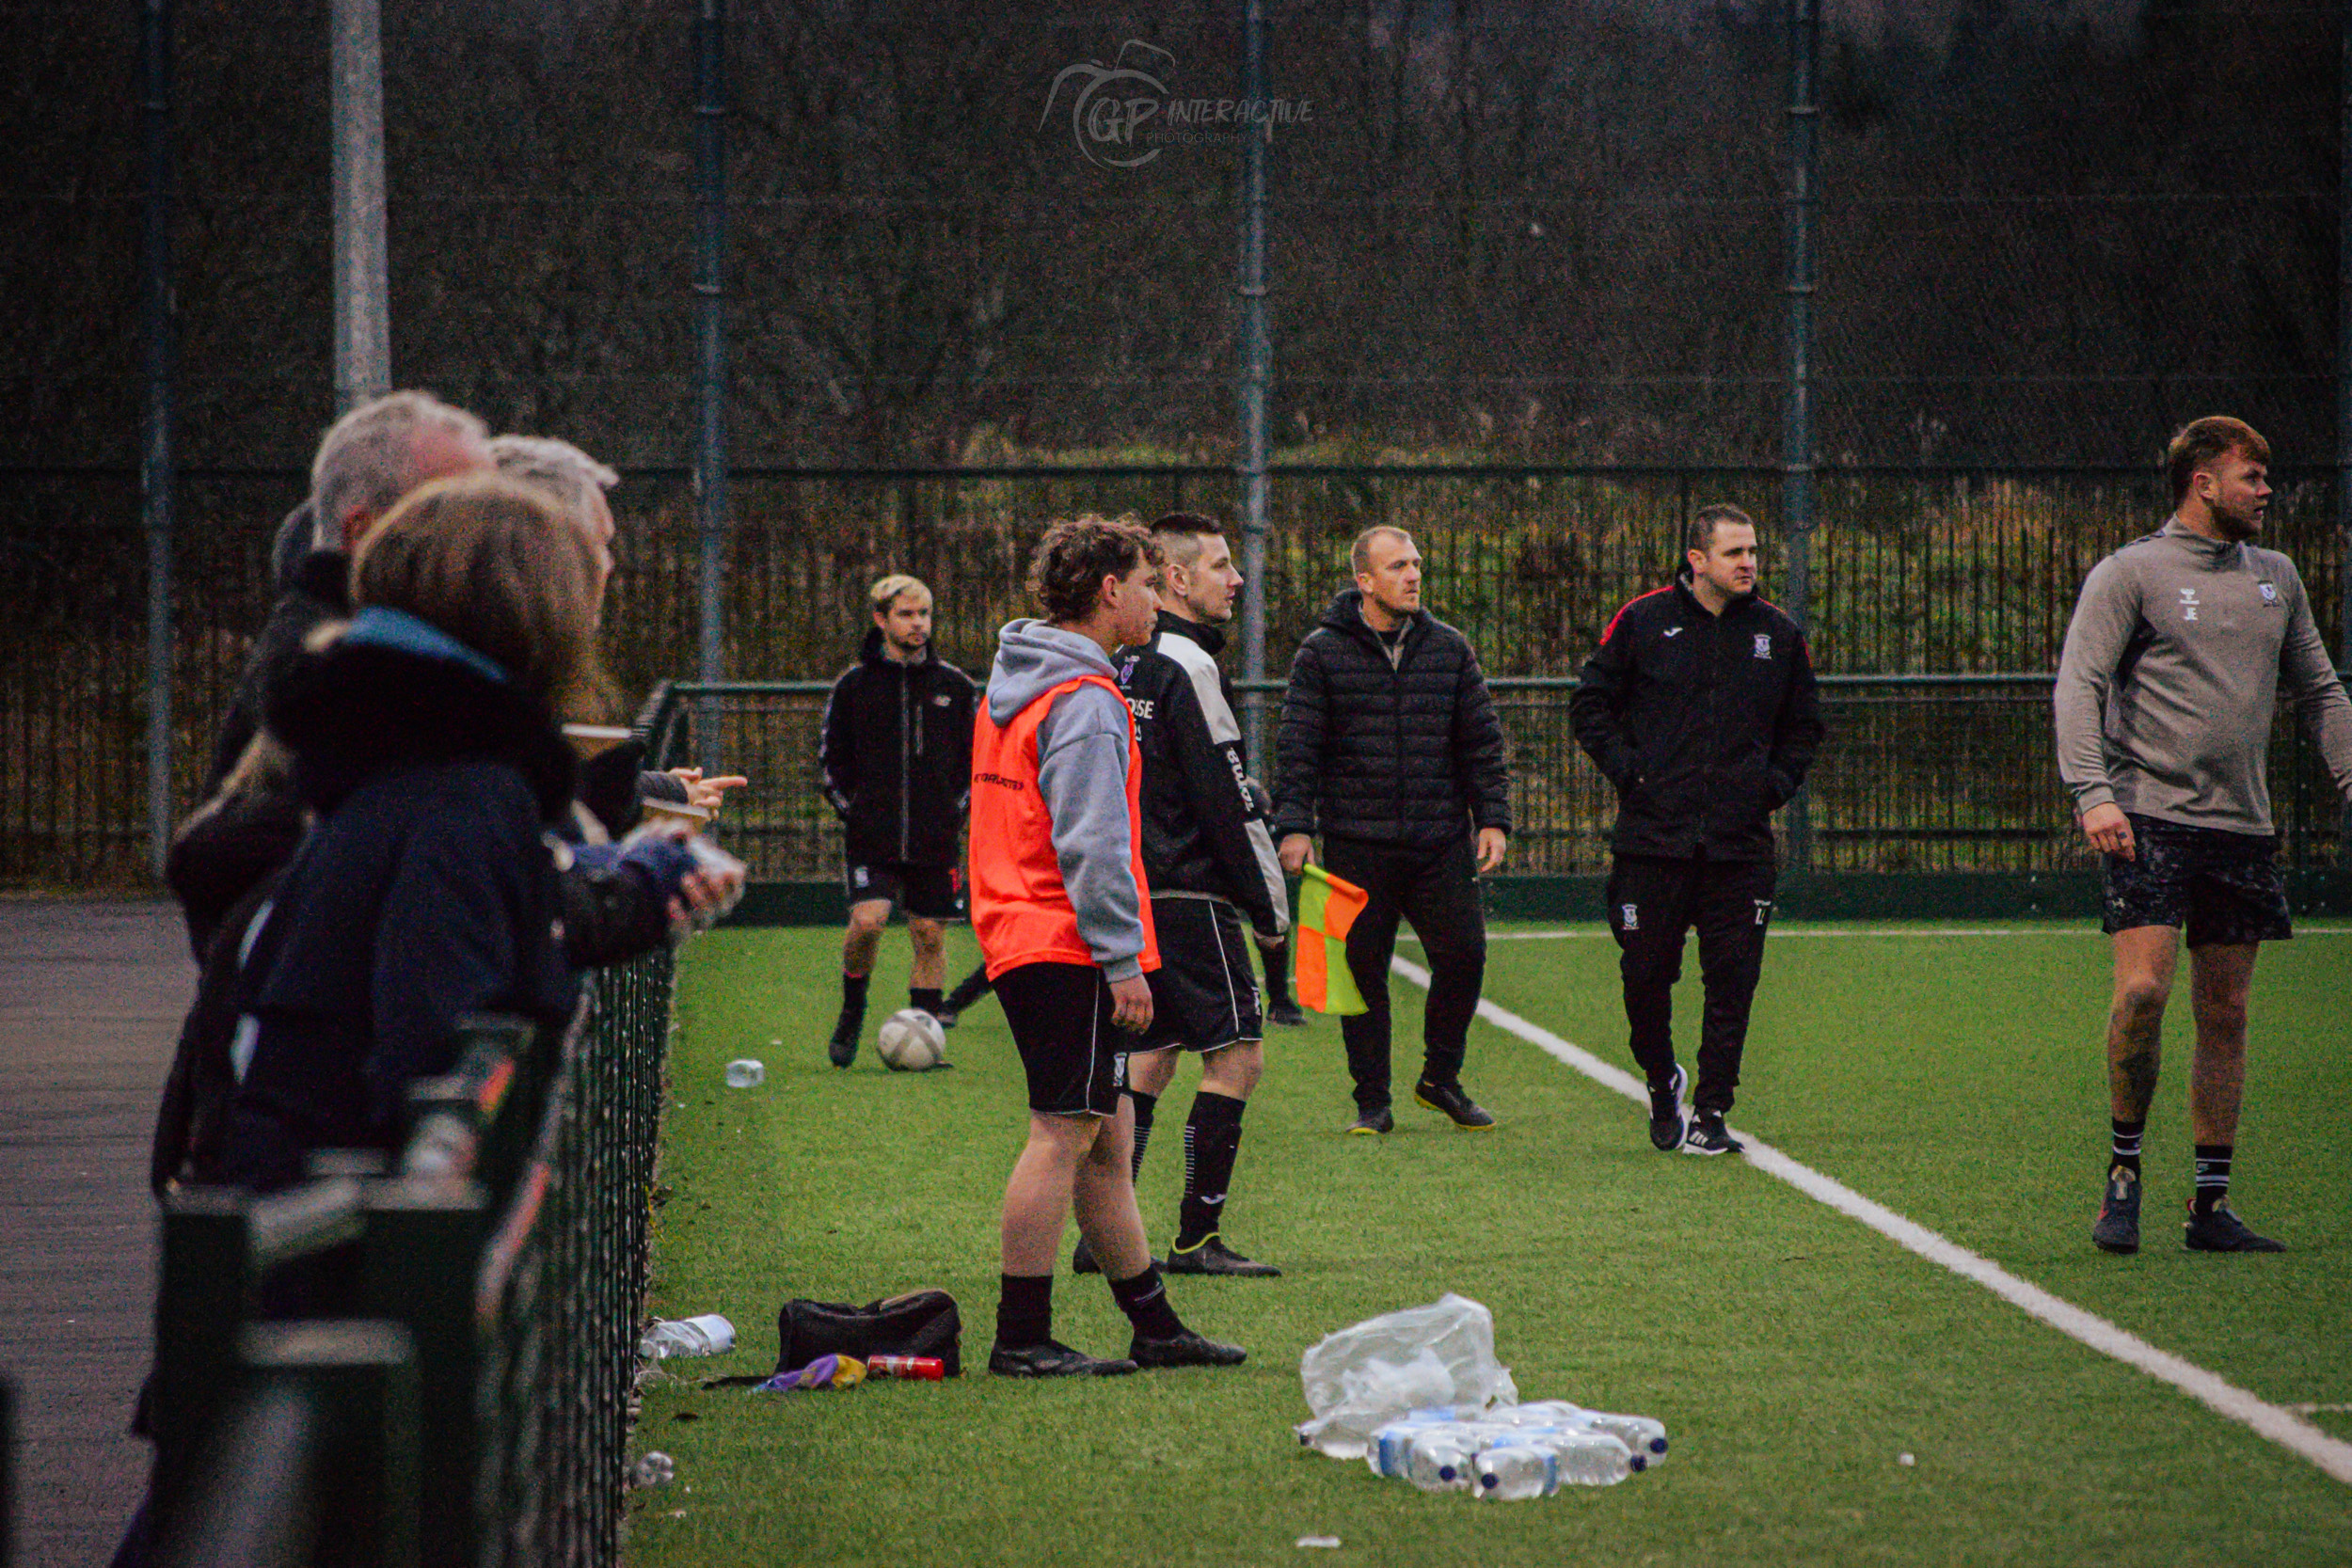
(852, 1004)
(1211, 1139)
(1144, 1103)
(969, 990)
(1278, 973)
(1144, 1299)
(2213, 1174)
(923, 1000)
(2126, 1146)
(1024, 1309)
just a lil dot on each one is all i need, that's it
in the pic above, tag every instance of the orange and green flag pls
(1328, 906)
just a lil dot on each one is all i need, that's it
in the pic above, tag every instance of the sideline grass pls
(1793, 1353)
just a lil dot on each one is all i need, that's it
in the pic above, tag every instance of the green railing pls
(1921, 773)
(468, 1404)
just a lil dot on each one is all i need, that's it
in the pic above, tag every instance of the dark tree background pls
(1548, 230)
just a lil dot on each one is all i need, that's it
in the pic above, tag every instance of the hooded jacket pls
(1203, 832)
(426, 889)
(1390, 747)
(1057, 836)
(1705, 723)
(896, 756)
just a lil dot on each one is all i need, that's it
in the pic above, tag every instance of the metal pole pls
(2343, 365)
(156, 480)
(1254, 355)
(1805, 117)
(710, 218)
(363, 337)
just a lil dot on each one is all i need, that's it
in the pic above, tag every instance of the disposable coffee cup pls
(590, 741)
(677, 811)
(743, 1072)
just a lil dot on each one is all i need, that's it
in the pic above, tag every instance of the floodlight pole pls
(1254, 355)
(1797, 496)
(363, 344)
(156, 479)
(710, 233)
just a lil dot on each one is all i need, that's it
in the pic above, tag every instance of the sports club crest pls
(1630, 917)
(1763, 644)
(2269, 591)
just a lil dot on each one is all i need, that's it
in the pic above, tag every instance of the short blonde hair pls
(568, 474)
(885, 591)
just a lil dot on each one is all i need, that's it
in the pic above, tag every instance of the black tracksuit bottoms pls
(1652, 903)
(1438, 891)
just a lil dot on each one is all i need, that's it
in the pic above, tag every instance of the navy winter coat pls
(427, 889)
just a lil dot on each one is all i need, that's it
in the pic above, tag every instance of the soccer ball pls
(911, 1041)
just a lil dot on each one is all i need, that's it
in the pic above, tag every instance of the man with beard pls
(2180, 644)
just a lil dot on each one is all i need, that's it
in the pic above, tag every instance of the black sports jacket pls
(896, 757)
(1393, 749)
(1706, 723)
(1203, 832)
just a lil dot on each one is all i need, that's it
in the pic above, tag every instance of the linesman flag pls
(1328, 906)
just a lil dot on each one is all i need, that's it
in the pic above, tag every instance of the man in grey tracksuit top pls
(2180, 643)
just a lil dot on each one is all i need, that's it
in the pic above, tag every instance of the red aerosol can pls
(926, 1368)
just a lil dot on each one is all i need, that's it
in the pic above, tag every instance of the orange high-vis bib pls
(1021, 912)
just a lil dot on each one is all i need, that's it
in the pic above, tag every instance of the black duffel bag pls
(920, 1323)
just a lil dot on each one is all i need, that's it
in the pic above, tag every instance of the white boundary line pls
(2279, 1423)
(1799, 933)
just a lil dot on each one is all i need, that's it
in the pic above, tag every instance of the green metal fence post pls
(200, 1300)
(423, 1240)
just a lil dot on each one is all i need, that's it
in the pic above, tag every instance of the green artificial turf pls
(1793, 1354)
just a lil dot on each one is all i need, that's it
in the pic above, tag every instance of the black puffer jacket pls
(316, 589)
(427, 890)
(1405, 751)
(896, 757)
(1706, 723)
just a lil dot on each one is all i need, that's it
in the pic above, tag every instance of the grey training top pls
(2179, 648)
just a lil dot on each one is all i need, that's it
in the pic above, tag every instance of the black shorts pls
(930, 891)
(2227, 888)
(1204, 994)
(1073, 1054)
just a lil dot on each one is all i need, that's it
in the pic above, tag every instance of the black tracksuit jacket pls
(896, 757)
(1705, 723)
(1406, 750)
(1203, 832)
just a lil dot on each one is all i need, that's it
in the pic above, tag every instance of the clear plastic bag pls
(1361, 1378)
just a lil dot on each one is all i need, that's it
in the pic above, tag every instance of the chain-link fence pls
(1915, 572)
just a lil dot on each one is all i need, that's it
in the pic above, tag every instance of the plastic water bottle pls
(1433, 1455)
(1643, 1437)
(1517, 1468)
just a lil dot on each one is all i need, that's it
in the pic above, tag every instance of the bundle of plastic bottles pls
(1506, 1452)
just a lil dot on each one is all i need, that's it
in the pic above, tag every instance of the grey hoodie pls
(1082, 747)
(2173, 664)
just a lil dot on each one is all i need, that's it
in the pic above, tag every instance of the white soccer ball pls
(911, 1041)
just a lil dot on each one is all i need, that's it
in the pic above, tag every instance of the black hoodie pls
(896, 757)
(1389, 746)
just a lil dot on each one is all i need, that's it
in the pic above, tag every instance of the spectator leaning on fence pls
(1699, 708)
(424, 736)
(367, 460)
(895, 753)
(1389, 746)
(2180, 644)
(612, 782)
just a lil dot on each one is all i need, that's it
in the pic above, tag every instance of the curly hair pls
(1066, 574)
